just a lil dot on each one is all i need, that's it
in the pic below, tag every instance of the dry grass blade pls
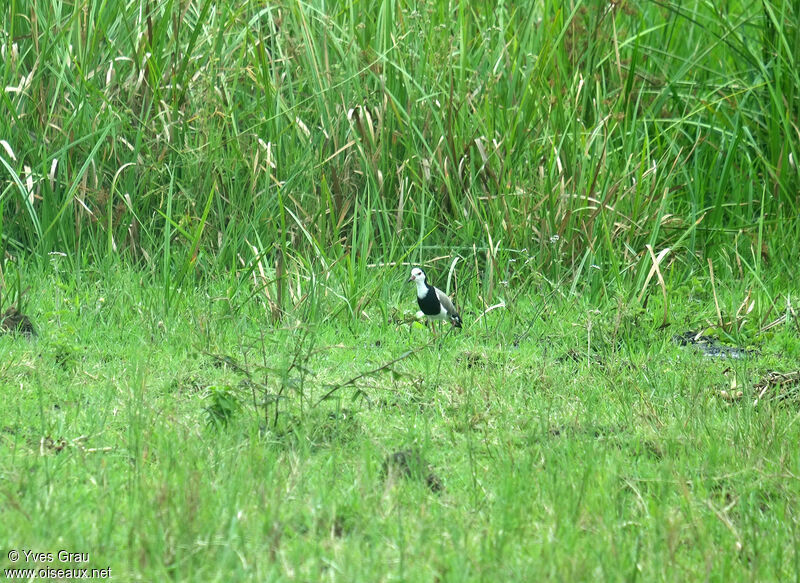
(275, 308)
(776, 380)
(450, 275)
(656, 269)
(502, 304)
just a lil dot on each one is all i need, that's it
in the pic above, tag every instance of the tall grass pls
(321, 138)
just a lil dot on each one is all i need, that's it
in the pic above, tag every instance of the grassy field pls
(208, 211)
(570, 443)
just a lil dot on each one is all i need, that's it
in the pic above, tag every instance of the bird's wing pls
(446, 303)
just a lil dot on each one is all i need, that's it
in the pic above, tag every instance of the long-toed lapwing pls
(433, 302)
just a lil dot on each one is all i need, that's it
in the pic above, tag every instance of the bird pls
(433, 302)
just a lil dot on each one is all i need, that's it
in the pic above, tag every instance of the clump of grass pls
(223, 403)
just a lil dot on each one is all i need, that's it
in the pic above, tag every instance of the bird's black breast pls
(430, 303)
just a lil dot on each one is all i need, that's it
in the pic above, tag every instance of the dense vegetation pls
(207, 210)
(326, 137)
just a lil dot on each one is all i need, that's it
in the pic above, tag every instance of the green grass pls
(208, 210)
(572, 443)
(210, 136)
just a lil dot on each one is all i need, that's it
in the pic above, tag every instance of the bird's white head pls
(417, 276)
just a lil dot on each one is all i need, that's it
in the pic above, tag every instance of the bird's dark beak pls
(410, 279)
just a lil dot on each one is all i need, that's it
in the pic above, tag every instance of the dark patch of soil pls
(408, 463)
(13, 321)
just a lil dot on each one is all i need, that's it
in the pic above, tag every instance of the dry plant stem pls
(384, 366)
(656, 268)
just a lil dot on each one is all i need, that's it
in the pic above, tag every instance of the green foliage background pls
(343, 133)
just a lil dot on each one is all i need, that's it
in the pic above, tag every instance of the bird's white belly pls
(442, 315)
